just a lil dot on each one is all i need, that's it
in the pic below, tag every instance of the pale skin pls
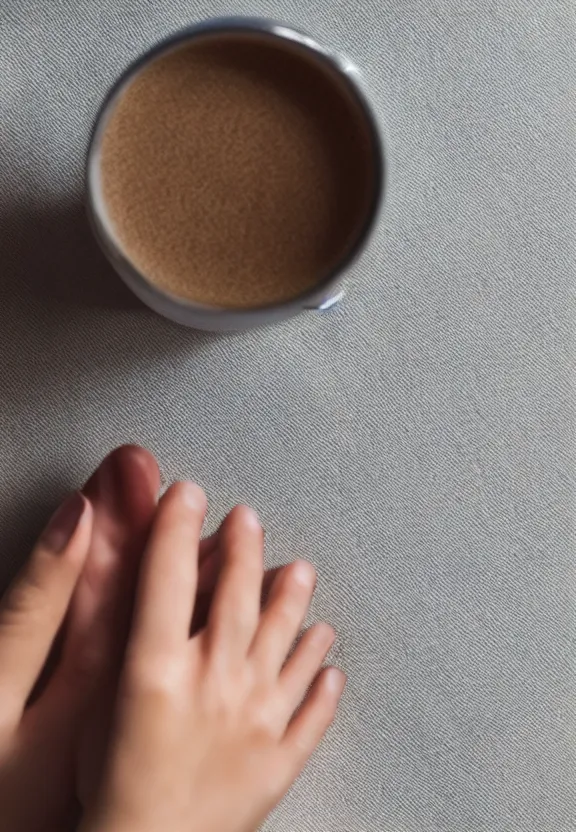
(175, 700)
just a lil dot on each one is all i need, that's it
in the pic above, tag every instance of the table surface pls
(416, 443)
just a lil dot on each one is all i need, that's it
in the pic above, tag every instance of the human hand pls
(57, 736)
(212, 730)
(123, 492)
(35, 742)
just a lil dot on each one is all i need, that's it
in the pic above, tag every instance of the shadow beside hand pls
(52, 253)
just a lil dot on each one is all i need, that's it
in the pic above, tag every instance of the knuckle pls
(264, 719)
(290, 609)
(238, 704)
(223, 693)
(159, 675)
(162, 677)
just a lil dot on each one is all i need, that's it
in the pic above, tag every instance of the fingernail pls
(249, 517)
(324, 633)
(63, 523)
(192, 496)
(336, 680)
(304, 573)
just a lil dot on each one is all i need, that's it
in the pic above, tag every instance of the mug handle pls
(326, 302)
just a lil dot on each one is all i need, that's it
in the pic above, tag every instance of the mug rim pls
(180, 309)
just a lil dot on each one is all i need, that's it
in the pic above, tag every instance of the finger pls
(207, 579)
(208, 546)
(235, 609)
(167, 586)
(284, 615)
(269, 579)
(303, 665)
(34, 608)
(313, 719)
(123, 492)
(210, 563)
(209, 566)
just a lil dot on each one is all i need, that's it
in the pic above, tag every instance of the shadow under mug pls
(323, 295)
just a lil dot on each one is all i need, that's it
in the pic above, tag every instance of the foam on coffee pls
(235, 172)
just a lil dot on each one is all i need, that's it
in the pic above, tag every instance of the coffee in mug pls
(235, 170)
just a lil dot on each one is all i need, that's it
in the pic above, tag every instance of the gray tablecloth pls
(416, 443)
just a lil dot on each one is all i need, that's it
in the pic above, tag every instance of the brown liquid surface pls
(236, 174)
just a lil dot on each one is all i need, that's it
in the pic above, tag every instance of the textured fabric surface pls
(415, 443)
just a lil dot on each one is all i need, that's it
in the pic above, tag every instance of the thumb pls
(36, 603)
